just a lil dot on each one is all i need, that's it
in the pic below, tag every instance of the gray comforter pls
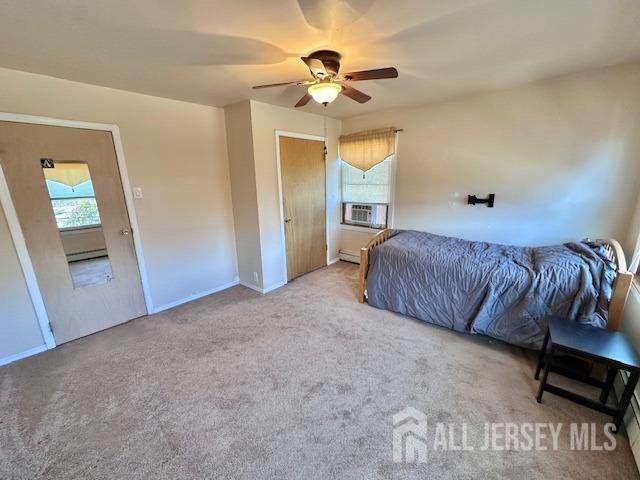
(501, 291)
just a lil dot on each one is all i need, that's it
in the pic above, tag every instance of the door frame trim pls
(16, 231)
(304, 136)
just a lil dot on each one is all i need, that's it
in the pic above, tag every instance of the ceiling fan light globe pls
(324, 92)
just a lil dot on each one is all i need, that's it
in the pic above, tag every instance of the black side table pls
(611, 349)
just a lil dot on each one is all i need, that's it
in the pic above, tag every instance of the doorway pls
(66, 189)
(303, 184)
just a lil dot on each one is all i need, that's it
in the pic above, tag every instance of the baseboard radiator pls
(347, 256)
(87, 255)
(632, 417)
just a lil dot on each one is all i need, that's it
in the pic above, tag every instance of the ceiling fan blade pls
(299, 82)
(316, 66)
(376, 74)
(354, 94)
(304, 100)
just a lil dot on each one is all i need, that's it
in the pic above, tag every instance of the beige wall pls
(265, 120)
(176, 152)
(562, 157)
(632, 239)
(243, 190)
(19, 330)
(251, 136)
(631, 325)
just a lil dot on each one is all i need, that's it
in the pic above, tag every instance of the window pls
(73, 207)
(367, 175)
(374, 186)
(366, 196)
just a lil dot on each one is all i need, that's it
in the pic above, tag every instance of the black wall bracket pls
(473, 200)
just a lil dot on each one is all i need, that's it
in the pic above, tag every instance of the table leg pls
(542, 352)
(608, 384)
(626, 398)
(547, 365)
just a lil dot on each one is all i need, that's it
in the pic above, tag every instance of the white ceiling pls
(211, 52)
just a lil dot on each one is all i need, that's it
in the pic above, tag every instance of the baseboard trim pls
(261, 290)
(251, 286)
(21, 355)
(351, 257)
(273, 287)
(195, 296)
(333, 260)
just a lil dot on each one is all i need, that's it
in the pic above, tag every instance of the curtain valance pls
(70, 174)
(364, 150)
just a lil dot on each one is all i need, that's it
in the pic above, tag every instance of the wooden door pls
(303, 195)
(76, 307)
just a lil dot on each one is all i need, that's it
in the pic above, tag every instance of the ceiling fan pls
(328, 82)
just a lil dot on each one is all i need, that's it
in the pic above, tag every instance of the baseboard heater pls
(86, 255)
(353, 257)
(632, 418)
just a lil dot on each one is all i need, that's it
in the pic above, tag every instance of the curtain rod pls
(397, 130)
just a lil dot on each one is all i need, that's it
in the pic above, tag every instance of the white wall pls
(176, 152)
(562, 157)
(265, 120)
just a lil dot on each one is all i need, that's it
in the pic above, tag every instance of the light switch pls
(137, 192)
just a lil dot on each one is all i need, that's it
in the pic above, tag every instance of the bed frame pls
(621, 286)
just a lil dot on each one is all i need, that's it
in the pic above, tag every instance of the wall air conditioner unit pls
(370, 215)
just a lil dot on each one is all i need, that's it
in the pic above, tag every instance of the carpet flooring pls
(300, 383)
(94, 271)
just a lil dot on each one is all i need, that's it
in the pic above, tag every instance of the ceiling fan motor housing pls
(330, 60)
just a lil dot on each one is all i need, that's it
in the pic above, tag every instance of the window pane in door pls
(76, 212)
(75, 209)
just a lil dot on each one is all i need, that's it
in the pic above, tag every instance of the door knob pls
(287, 220)
(124, 232)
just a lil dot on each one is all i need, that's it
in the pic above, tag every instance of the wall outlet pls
(255, 277)
(137, 192)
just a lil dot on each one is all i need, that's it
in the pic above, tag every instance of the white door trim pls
(304, 136)
(392, 180)
(16, 231)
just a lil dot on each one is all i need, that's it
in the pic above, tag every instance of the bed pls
(505, 292)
